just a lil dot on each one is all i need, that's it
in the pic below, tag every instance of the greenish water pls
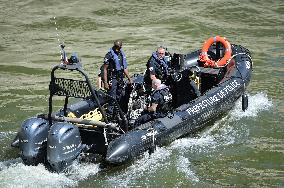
(243, 149)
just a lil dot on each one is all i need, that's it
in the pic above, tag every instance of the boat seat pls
(210, 77)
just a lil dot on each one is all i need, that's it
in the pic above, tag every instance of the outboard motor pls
(32, 140)
(63, 146)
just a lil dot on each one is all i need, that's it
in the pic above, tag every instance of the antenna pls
(57, 34)
(61, 44)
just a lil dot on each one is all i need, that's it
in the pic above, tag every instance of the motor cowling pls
(63, 145)
(32, 140)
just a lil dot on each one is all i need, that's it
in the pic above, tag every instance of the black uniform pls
(157, 67)
(163, 98)
(116, 62)
(115, 73)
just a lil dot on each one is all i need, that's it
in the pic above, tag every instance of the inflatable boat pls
(204, 84)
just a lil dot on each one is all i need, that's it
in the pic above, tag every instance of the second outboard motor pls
(32, 140)
(63, 146)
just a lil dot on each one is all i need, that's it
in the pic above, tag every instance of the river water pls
(241, 149)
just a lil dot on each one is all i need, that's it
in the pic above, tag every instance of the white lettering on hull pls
(213, 99)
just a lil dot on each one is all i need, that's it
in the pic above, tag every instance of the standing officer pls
(114, 69)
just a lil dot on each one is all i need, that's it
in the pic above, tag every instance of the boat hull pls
(59, 143)
(187, 118)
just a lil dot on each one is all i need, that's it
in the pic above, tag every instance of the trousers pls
(116, 92)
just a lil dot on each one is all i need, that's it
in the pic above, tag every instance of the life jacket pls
(162, 64)
(160, 67)
(116, 60)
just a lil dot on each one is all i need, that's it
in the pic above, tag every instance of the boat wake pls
(256, 104)
(15, 174)
(146, 167)
(178, 156)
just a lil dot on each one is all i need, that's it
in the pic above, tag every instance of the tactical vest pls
(160, 67)
(116, 66)
(166, 100)
(161, 64)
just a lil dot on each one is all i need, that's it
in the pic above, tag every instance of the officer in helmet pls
(114, 70)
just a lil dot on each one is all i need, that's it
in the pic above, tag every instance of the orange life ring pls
(203, 57)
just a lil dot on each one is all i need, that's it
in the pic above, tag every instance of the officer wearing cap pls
(114, 70)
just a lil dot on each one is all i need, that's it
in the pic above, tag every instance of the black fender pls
(127, 147)
(134, 143)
